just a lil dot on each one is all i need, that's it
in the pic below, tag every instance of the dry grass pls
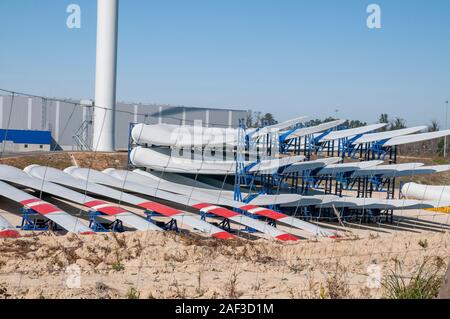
(199, 290)
(179, 292)
(231, 288)
(4, 292)
(133, 293)
(337, 286)
(424, 283)
(423, 243)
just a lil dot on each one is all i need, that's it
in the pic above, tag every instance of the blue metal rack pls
(170, 226)
(104, 227)
(243, 177)
(302, 182)
(224, 224)
(240, 177)
(33, 221)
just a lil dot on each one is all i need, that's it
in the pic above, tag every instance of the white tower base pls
(105, 77)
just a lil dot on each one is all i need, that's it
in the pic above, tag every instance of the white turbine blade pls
(374, 137)
(314, 129)
(63, 219)
(408, 139)
(352, 132)
(82, 181)
(146, 179)
(19, 177)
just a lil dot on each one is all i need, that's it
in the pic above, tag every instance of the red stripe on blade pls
(223, 212)
(223, 235)
(108, 210)
(202, 205)
(271, 214)
(112, 210)
(30, 201)
(249, 207)
(45, 209)
(287, 237)
(94, 203)
(265, 213)
(219, 211)
(161, 209)
(9, 234)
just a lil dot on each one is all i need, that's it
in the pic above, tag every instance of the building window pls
(25, 146)
(41, 146)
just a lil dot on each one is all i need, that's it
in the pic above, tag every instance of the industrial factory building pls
(71, 124)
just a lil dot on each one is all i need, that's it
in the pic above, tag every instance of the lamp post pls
(446, 127)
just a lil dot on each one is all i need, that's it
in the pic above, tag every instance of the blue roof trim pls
(26, 137)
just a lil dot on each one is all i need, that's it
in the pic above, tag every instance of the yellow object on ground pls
(440, 210)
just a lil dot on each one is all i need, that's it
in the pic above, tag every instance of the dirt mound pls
(61, 160)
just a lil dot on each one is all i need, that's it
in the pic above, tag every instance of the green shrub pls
(424, 283)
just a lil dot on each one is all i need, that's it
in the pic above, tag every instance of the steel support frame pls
(172, 225)
(33, 221)
(99, 227)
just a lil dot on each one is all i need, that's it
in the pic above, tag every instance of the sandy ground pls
(169, 265)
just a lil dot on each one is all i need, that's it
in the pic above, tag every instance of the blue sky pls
(290, 58)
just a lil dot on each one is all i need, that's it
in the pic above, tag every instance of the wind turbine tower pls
(105, 76)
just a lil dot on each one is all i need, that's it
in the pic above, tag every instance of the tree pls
(354, 124)
(267, 120)
(434, 126)
(398, 124)
(435, 145)
(316, 122)
(440, 147)
(313, 122)
(249, 119)
(257, 119)
(384, 119)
